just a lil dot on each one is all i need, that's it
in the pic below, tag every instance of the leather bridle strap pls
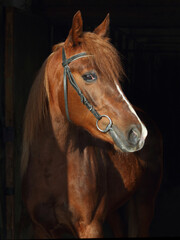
(68, 73)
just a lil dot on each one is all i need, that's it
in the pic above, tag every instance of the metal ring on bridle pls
(108, 126)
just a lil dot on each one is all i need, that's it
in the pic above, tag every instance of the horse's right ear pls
(76, 31)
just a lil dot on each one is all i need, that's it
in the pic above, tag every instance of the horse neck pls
(67, 134)
(59, 126)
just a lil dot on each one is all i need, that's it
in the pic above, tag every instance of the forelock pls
(106, 59)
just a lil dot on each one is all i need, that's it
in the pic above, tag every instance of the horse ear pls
(76, 29)
(103, 29)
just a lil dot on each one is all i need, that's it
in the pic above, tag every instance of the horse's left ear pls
(76, 29)
(103, 29)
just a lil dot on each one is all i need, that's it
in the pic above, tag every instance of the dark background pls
(146, 33)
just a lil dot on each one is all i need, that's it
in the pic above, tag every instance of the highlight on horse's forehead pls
(105, 57)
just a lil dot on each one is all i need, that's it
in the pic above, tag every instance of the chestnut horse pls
(86, 153)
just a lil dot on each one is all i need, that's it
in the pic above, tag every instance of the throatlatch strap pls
(74, 84)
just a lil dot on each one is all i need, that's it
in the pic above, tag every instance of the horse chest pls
(124, 176)
(86, 171)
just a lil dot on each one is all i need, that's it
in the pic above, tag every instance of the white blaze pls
(144, 130)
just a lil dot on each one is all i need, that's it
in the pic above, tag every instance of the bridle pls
(67, 72)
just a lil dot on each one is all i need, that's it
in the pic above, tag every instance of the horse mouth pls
(121, 143)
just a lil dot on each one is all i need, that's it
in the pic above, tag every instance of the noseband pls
(67, 72)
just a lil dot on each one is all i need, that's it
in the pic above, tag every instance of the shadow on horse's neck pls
(82, 139)
(68, 134)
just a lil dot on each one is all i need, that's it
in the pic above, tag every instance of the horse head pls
(86, 68)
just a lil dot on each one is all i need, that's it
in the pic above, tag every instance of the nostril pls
(134, 136)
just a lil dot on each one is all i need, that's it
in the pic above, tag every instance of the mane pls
(105, 59)
(36, 110)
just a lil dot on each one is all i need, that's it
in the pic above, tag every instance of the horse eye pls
(90, 77)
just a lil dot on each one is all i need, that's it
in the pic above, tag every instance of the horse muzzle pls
(131, 142)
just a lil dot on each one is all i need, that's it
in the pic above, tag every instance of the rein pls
(67, 72)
